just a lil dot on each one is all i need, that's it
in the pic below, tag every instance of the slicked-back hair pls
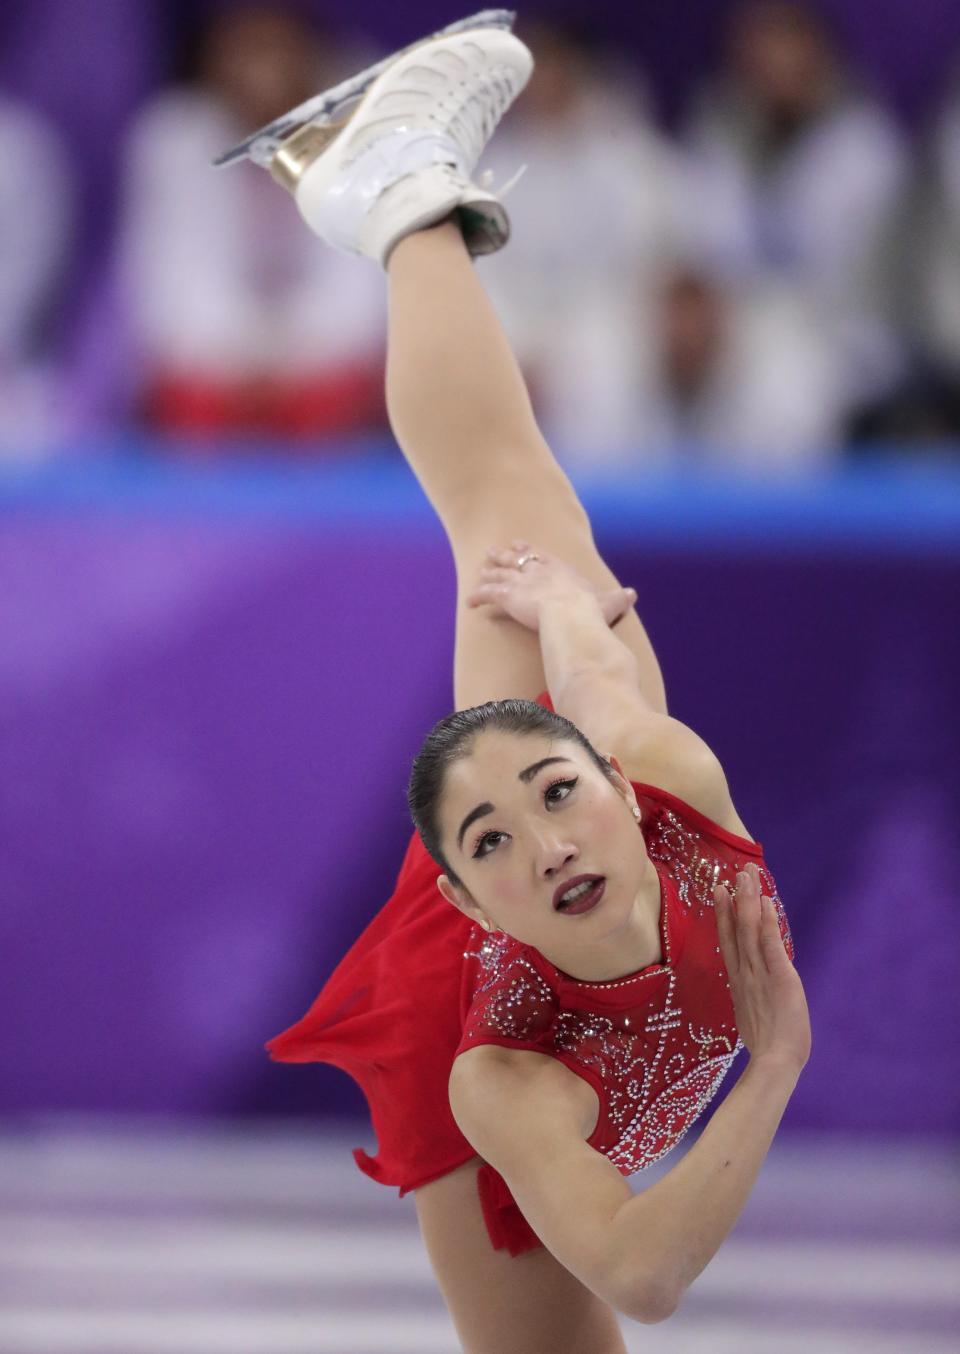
(453, 737)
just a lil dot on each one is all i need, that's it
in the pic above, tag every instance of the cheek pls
(608, 826)
(506, 886)
(489, 883)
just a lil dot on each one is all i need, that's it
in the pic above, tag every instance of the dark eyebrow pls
(529, 772)
(481, 811)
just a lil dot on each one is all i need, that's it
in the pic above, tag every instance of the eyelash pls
(567, 782)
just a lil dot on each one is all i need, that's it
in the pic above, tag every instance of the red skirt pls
(390, 1015)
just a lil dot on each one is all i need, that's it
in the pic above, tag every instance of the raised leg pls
(461, 413)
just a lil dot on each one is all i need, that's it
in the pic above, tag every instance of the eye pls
(480, 850)
(559, 785)
(555, 793)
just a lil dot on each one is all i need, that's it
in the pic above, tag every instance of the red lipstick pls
(586, 900)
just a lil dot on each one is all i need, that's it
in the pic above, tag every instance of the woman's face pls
(521, 818)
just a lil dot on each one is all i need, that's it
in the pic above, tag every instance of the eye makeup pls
(565, 782)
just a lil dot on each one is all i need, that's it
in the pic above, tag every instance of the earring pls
(636, 812)
(485, 925)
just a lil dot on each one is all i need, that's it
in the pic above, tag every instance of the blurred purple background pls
(211, 690)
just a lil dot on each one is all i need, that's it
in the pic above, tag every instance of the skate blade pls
(323, 108)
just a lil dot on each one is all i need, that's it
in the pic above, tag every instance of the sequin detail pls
(697, 870)
(658, 1052)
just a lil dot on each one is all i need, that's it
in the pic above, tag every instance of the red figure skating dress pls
(423, 983)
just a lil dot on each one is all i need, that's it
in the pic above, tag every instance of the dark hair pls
(454, 736)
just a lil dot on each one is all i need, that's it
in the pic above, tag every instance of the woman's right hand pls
(510, 589)
(768, 997)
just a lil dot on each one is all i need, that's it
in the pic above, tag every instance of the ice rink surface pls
(242, 1241)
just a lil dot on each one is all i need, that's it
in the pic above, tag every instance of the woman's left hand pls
(519, 592)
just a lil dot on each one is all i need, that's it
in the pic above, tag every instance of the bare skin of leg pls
(460, 410)
(503, 1304)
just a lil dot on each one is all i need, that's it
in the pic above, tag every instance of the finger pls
(748, 919)
(495, 573)
(507, 559)
(751, 879)
(520, 545)
(488, 594)
(616, 603)
(771, 942)
(726, 933)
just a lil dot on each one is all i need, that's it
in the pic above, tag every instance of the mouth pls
(580, 894)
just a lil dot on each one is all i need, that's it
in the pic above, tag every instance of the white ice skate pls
(403, 157)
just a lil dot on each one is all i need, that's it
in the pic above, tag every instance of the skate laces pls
(493, 92)
(486, 182)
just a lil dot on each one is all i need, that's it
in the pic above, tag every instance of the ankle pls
(445, 236)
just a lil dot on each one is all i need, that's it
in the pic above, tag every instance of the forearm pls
(672, 1230)
(578, 647)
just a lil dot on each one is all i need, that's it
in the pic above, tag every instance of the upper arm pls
(653, 748)
(528, 1125)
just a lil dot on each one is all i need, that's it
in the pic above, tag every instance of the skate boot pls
(393, 149)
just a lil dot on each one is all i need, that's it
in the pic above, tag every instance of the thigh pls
(501, 1304)
(494, 658)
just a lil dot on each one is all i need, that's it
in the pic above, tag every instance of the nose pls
(553, 853)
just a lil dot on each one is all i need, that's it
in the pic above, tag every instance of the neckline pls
(662, 965)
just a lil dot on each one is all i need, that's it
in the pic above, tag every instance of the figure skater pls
(578, 944)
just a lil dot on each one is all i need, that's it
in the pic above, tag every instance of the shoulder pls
(863, 125)
(660, 751)
(493, 1090)
(654, 748)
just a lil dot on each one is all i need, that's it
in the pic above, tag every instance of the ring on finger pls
(525, 559)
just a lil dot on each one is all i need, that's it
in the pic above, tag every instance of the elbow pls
(649, 1302)
(654, 1309)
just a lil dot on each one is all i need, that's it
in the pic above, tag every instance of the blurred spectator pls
(35, 199)
(935, 274)
(594, 220)
(242, 320)
(744, 380)
(635, 354)
(735, 378)
(799, 175)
